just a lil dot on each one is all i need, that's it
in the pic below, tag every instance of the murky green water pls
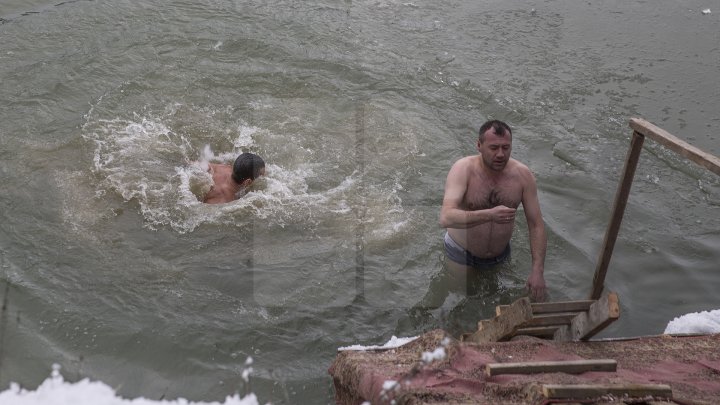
(113, 269)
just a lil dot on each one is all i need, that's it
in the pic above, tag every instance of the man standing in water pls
(230, 181)
(482, 194)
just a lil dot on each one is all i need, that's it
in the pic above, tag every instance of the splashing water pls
(164, 171)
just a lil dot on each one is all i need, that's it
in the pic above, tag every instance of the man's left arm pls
(538, 238)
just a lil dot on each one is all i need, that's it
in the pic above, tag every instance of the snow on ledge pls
(697, 322)
(391, 344)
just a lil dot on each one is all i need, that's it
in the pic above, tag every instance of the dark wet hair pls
(247, 166)
(500, 128)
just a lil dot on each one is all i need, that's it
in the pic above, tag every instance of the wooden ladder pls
(560, 321)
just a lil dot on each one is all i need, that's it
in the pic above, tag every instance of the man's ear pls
(479, 145)
(246, 183)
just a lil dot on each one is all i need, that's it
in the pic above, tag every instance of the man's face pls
(495, 150)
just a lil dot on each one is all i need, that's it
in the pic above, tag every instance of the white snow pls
(697, 322)
(437, 354)
(391, 344)
(55, 391)
(389, 384)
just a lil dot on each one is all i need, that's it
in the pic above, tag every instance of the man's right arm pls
(452, 214)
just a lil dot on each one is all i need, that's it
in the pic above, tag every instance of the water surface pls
(113, 269)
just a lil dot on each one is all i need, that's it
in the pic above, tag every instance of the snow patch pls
(698, 322)
(391, 344)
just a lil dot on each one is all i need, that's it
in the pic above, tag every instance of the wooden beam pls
(621, 198)
(537, 331)
(561, 306)
(587, 324)
(551, 307)
(570, 367)
(559, 318)
(562, 334)
(561, 391)
(504, 325)
(676, 145)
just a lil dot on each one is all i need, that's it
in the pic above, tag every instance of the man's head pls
(247, 167)
(495, 144)
(498, 127)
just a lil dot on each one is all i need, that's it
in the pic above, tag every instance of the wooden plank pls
(551, 307)
(504, 325)
(587, 324)
(562, 391)
(570, 367)
(621, 198)
(500, 308)
(684, 149)
(537, 331)
(560, 318)
(583, 327)
(601, 314)
(561, 306)
(562, 334)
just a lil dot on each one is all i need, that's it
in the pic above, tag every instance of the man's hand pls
(502, 214)
(536, 286)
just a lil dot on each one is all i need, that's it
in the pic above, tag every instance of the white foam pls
(245, 137)
(55, 391)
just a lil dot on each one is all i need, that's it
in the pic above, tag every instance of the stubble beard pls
(496, 166)
(499, 166)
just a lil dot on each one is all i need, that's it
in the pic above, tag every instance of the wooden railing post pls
(621, 198)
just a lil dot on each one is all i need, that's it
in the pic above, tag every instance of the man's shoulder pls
(218, 165)
(518, 165)
(463, 167)
(219, 168)
(467, 160)
(521, 170)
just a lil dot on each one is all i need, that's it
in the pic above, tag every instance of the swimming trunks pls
(458, 254)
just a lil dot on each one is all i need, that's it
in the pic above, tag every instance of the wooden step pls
(581, 391)
(535, 367)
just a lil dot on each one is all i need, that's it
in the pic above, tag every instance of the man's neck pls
(234, 186)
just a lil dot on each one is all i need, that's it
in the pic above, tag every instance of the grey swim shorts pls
(458, 254)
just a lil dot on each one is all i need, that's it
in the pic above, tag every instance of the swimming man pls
(230, 181)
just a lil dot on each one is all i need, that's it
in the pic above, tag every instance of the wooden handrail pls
(641, 129)
(675, 144)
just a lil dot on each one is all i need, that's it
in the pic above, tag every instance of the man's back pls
(224, 188)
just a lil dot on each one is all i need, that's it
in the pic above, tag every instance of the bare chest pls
(484, 194)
